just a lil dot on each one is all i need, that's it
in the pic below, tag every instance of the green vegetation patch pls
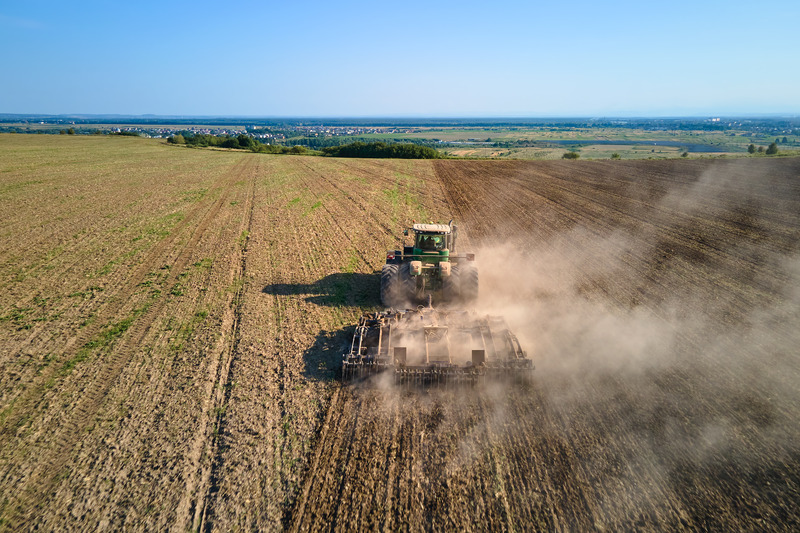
(204, 263)
(382, 150)
(104, 339)
(243, 238)
(18, 316)
(352, 262)
(194, 195)
(161, 227)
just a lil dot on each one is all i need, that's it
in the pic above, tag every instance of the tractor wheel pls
(390, 283)
(407, 285)
(469, 284)
(451, 286)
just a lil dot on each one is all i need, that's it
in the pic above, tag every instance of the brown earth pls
(660, 303)
(172, 321)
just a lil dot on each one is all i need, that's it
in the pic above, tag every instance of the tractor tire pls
(451, 286)
(469, 284)
(390, 285)
(407, 285)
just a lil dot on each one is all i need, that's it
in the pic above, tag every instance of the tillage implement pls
(427, 346)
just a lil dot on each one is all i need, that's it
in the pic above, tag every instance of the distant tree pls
(685, 154)
(177, 139)
(71, 131)
(230, 142)
(785, 140)
(200, 139)
(571, 155)
(245, 141)
(760, 149)
(751, 148)
(615, 155)
(62, 132)
(773, 149)
(777, 140)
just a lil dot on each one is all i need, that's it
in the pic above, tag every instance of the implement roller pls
(431, 346)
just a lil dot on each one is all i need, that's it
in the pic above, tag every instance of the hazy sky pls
(353, 58)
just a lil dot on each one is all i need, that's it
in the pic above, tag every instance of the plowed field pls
(171, 322)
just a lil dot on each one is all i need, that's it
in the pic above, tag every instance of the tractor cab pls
(429, 242)
(432, 238)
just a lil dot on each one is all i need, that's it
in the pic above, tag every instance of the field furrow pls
(172, 323)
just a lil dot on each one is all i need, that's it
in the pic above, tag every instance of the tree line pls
(237, 142)
(318, 143)
(382, 150)
(355, 149)
(772, 149)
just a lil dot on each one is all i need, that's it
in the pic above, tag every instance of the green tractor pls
(429, 270)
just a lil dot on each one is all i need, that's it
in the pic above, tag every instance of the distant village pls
(263, 133)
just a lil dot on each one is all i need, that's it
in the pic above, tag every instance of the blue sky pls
(354, 58)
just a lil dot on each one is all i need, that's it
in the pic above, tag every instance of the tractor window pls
(430, 242)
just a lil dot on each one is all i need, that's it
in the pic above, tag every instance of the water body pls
(689, 147)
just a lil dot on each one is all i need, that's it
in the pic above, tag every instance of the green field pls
(461, 138)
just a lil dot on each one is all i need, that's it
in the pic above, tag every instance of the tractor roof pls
(432, 228)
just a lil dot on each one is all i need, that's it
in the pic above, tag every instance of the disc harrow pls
(427, 346)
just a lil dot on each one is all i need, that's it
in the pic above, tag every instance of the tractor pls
(420, 344)
(429, 269)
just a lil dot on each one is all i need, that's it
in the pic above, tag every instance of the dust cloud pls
(591, 301)
(665, 335)
(668, 302)
(542, 296)
(711, 338)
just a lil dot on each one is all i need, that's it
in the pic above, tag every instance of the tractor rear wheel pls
(390, 285)
(406, 285)
(451, 286)
(469, 283)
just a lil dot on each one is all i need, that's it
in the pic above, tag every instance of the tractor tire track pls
(201, 216)
(59, 452)
(208, 473)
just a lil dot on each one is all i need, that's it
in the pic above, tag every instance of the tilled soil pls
(172, 321)
(659, 301)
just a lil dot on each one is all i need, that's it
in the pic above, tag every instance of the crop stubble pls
(211, 301)
(193, 371)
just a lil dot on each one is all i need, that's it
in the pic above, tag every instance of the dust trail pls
(663, 320)
(676, 340)
(541, 296)
(618, 310)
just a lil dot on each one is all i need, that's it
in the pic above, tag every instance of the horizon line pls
(404, 117)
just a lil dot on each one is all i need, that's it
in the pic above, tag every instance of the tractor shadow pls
(335, 290)
(323, 359)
